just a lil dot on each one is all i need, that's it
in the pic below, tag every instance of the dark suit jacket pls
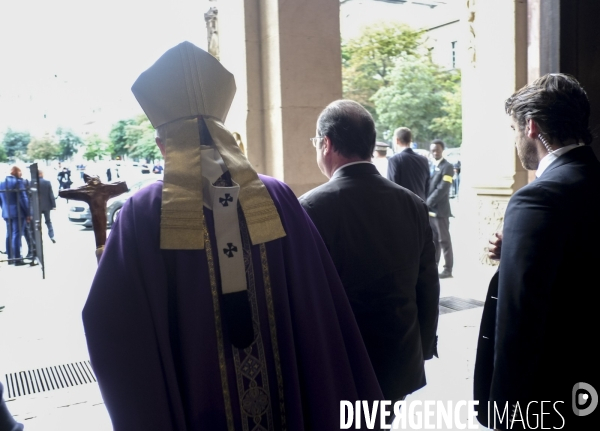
(536, 337)
(379, 237)
(47, 201)
(411, 171)
(438, 199)
(13, 198)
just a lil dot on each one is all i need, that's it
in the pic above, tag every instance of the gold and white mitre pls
(185, 89)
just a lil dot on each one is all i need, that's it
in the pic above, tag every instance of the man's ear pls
(532, 129)
(161, 146)
(327, 147)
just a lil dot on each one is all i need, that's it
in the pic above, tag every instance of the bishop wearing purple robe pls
(216, 305)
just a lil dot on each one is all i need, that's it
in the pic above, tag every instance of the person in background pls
(64, 178)
(380, 158)
(438, 201)
(157, 169)
(407, 168)
(47, 203)
(15, 211)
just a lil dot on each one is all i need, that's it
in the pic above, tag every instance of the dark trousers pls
(28, 234)
(48, 222)
(441, 238)
(14, 232)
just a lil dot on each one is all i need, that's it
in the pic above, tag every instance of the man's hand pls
(495, 247)
(28, 219)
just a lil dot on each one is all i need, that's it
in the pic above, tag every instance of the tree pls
(43, 149)
(419, 97)
(368, 60)
(68, 142)
(15, 143)
(119, 143)
(448, 127)
(141, 136)
(3, 156)
(95, 148)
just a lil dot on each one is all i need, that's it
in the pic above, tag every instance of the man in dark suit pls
(47, 203)
(388, 267)
(540, 315)
(438, 201)
(407, 168)
(15, 211)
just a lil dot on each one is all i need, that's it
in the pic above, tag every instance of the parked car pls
(79, 212)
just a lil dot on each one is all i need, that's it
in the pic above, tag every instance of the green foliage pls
(43, 149)
(119, 144)
(368, 60)
(95, 148)
(389, 71)
(3, 156)
(423, 98)
(68, 142)
(142, 137)
(448, 127)
(134, 137)
(15, 143)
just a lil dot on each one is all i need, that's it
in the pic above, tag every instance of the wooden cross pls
(96, 194)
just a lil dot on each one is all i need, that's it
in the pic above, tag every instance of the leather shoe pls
(445, 274)
(20, 263)
(1, 307)
(53, 240)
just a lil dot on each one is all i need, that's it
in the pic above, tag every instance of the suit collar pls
(579, 154)
(355, 169)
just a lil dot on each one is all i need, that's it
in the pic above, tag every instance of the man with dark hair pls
(379, 237)
(540, 315)
(438, 201)
(407, 168)
(47, 203)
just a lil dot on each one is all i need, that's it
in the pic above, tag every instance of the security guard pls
(438, 201)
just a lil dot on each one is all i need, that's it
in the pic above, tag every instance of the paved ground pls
(41, 327)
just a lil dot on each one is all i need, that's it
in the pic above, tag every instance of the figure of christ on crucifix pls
(96, 194)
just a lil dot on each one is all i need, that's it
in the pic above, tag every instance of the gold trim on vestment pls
(273, 331)
(260, 213)
(219, 330)
(250, 363)
(182, 201)
(182, 217)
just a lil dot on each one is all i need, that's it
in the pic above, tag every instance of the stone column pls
(286, 58)
(495, 66)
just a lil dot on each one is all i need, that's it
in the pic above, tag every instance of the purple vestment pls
(160, 350)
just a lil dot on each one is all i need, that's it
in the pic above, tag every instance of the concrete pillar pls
(495, 67)
(288, 72)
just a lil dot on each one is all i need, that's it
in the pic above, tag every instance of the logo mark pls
(585, 399)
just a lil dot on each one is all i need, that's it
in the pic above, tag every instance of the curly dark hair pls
(350, 127)
(557, 103)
